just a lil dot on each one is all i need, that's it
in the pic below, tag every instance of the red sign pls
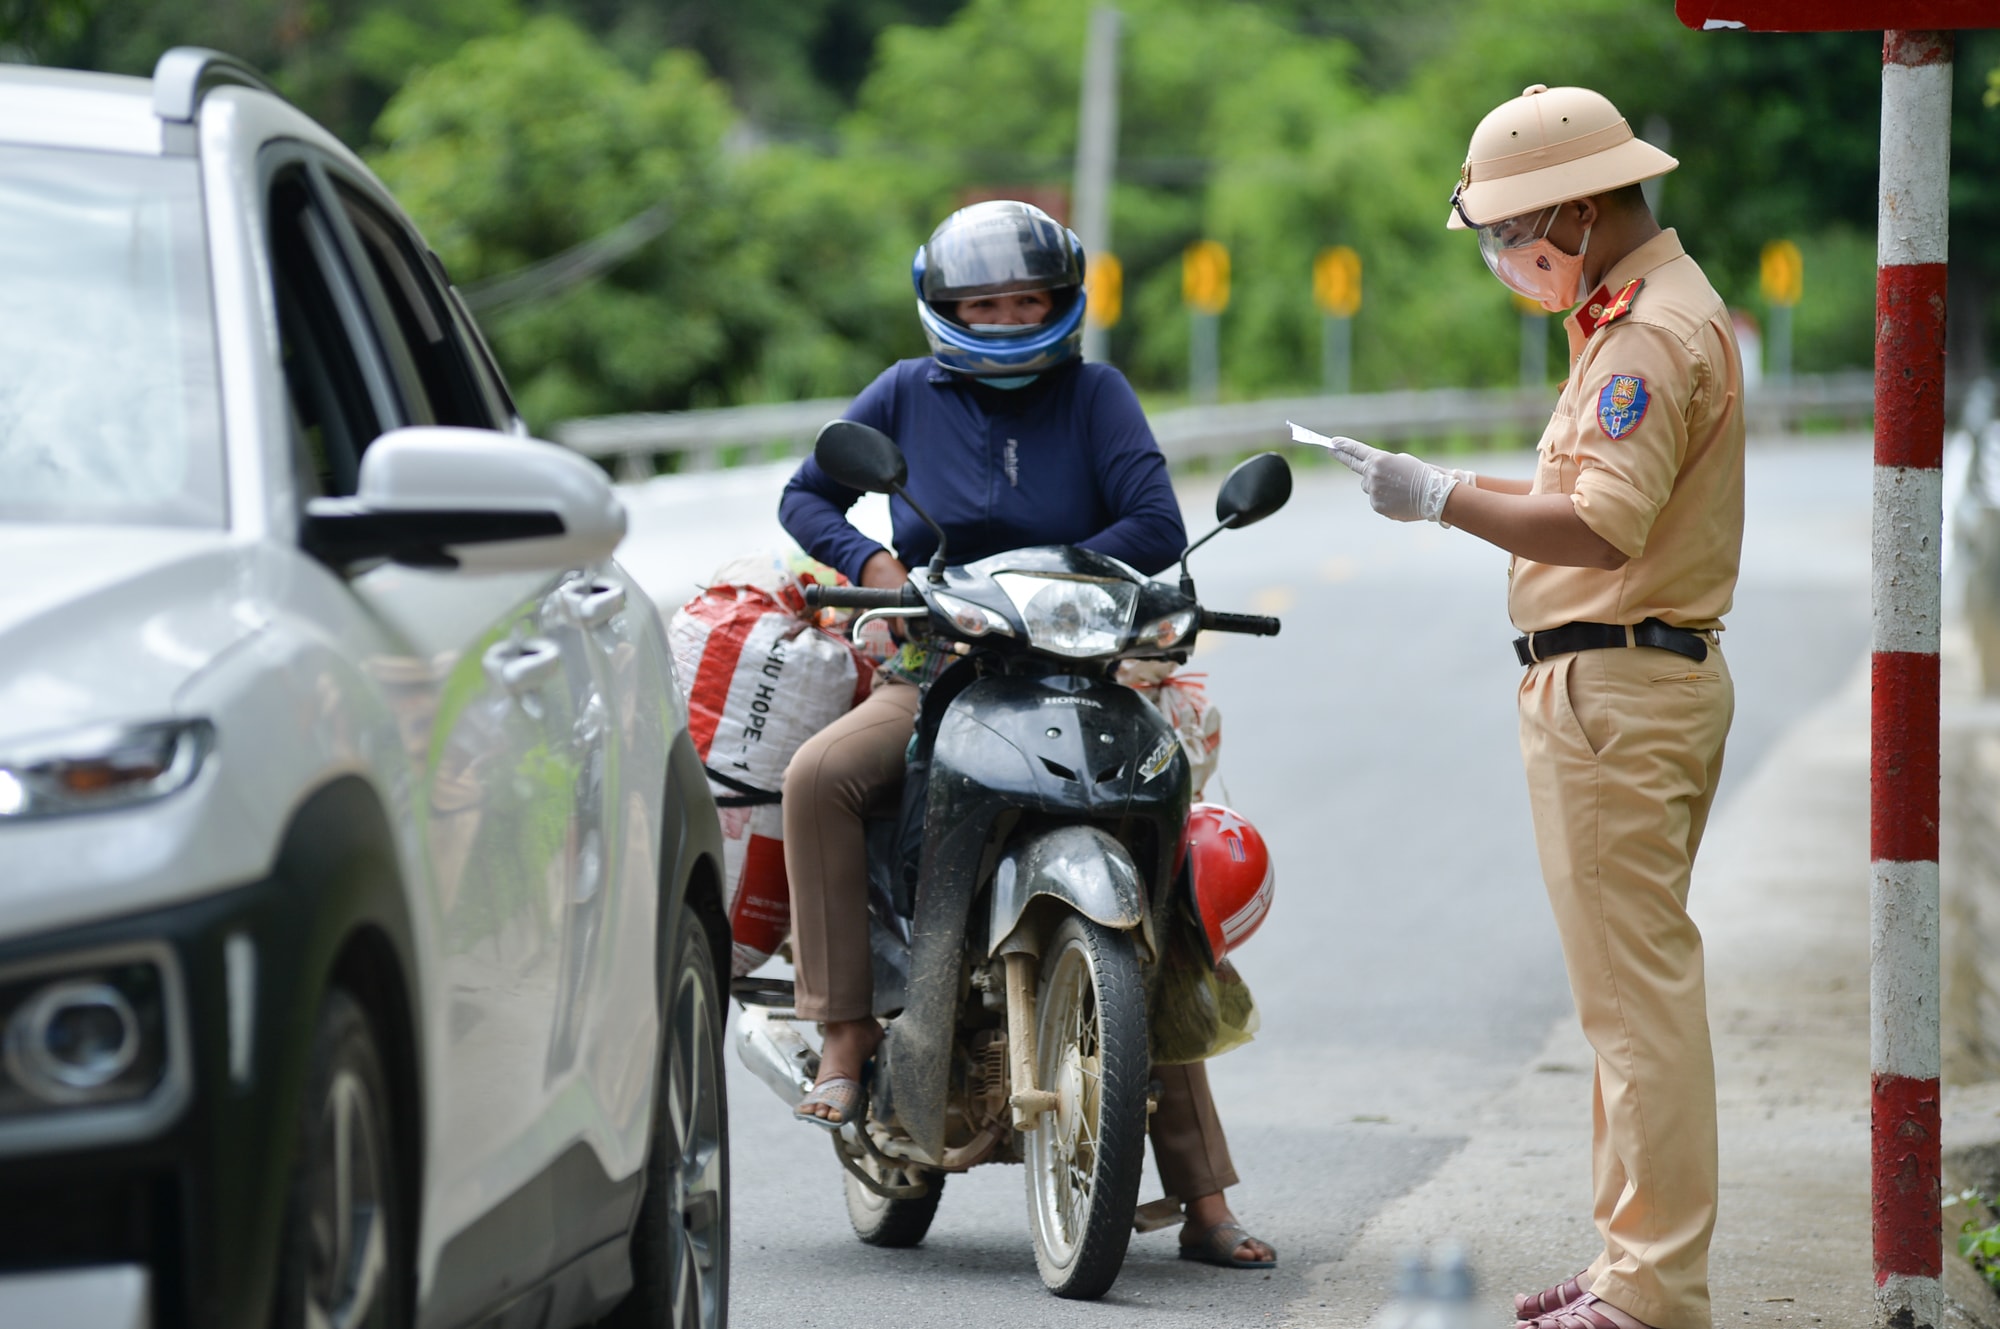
(1838, 15)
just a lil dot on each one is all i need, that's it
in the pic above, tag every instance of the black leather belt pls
(1597, 636)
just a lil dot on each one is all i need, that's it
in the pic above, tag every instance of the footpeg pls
(1156, 1214)
(776, 993)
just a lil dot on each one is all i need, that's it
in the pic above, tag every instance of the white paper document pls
(1300, 434)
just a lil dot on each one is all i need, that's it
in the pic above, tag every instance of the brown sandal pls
(1587, 1312)
(1533, 1305)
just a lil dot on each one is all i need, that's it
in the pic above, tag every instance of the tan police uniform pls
(1623, 748)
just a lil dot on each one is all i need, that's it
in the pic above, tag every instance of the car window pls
(337, 411)
(110, 403)
(446, 380)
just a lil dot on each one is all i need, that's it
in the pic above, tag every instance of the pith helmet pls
(1546, 146)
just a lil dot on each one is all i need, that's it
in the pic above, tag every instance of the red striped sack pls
(758, 680)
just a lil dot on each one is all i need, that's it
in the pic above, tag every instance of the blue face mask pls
(1017, 381)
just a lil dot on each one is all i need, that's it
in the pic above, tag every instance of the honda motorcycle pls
(1028, 898)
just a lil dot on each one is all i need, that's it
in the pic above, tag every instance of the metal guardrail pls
(701, 440)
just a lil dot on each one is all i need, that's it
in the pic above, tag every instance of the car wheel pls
(344, 1263)
(680, 1244)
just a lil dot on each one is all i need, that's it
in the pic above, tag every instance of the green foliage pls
(802, 148)
(771, 279)
(29, 26)
(1979, 1242)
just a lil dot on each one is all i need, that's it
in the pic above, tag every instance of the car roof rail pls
(184, 75)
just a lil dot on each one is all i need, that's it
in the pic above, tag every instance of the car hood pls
(102, 623)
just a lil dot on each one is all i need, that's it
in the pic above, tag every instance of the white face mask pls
(1003, 329)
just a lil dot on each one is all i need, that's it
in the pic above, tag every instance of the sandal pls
(1533, 1305)
(1218, 1246)
(1587, 1312)
(848, 1099)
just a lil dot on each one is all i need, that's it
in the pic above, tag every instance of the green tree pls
(765, 284)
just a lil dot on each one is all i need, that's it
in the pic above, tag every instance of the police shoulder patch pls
(1622, 404)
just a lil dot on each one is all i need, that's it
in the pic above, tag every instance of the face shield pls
(1519, 252)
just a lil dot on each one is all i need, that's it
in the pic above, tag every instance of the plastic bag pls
(1196, 1010)
(758, 677)
(1183, 699)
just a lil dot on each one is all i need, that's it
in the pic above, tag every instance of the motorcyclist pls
(1011, 441)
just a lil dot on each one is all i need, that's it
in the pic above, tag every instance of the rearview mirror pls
(476, 499)
(1254, 490)
(860, 457)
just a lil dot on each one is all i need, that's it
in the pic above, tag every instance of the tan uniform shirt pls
(1647, 440)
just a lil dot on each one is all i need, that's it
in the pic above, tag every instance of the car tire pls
(345, 1260)
(680, 1243)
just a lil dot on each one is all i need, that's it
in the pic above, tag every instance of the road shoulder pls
(1781, 894)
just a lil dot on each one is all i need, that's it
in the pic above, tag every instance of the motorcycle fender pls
(1082, 866)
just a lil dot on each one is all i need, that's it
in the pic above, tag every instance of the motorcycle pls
(1023, 903)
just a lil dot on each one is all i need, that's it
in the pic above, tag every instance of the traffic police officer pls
(1625, 550)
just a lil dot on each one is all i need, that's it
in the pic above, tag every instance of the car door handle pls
(524, 666)
(594, 602)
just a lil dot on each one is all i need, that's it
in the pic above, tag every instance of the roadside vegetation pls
(774, 163)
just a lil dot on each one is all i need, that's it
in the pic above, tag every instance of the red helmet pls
(1230, 871)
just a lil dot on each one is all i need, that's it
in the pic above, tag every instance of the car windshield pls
(108, 393)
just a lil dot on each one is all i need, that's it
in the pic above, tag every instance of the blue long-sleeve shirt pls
(1067, 459)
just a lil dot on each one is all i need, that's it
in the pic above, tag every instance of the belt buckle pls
(1534, 656)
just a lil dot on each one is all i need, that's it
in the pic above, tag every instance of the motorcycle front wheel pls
(1085, 1155)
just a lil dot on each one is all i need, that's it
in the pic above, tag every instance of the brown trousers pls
(840, 776)
(1623, 750)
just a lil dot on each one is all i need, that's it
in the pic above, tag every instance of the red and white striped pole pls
(1908, 528)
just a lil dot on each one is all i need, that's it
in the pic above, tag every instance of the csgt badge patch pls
(1622, 405)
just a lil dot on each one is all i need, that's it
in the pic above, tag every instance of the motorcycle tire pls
(879, 1221)
(1085, 1156)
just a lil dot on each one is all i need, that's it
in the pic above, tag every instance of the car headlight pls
(93, 770)
(971, 619)
(1071, 616)
(1164, 632)
(89, 1032)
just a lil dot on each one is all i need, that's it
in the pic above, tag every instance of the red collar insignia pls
(1603, 307)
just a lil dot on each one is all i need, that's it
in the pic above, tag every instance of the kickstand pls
(1156, 1214)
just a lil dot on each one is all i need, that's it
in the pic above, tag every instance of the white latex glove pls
(1398, 486)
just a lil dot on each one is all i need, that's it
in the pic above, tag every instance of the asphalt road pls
(1409, 970)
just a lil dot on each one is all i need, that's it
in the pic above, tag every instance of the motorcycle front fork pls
(1028, 1102)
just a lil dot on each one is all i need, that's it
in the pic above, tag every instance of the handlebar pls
(1256, 625)
(862, 597)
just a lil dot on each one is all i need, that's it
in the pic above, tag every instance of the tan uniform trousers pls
(1623, 749)
(849, 771)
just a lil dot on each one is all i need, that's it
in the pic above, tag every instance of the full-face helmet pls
(1229, 868)
(998, 248)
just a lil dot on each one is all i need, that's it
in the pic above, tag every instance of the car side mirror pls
(860, 457)
(1254, 490)
(473, 499)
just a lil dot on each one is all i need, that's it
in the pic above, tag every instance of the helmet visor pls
(997, 253)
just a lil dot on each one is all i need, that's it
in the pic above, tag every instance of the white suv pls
(359, 912)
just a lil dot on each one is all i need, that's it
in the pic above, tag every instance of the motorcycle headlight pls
(1164, 632)
(1066, 616)
(971, 619)
(95, 770)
